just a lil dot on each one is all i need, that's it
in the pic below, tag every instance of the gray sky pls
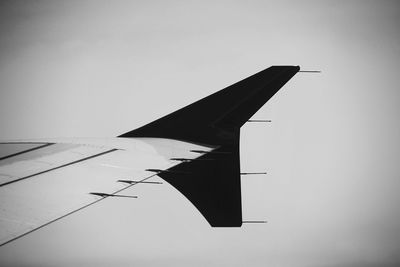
(101, 68)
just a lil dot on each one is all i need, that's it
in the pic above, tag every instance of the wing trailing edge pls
(213, 184)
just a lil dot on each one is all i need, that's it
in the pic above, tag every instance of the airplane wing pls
(195, 149)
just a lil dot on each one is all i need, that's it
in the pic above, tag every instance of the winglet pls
(213, 186)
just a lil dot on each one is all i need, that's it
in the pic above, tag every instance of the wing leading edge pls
(213, 184)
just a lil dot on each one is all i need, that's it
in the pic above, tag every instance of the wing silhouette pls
(195, 149)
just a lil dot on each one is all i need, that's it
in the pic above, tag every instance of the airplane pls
(195, 149)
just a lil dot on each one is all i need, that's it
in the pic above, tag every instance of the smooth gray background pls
(101, 68)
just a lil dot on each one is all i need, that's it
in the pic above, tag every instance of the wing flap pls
(28, 164)
(8, 150)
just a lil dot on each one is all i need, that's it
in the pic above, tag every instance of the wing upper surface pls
(44, 181)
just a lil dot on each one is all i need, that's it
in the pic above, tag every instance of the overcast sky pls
(101, 68)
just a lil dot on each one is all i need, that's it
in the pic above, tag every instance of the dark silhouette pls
(213, 183)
